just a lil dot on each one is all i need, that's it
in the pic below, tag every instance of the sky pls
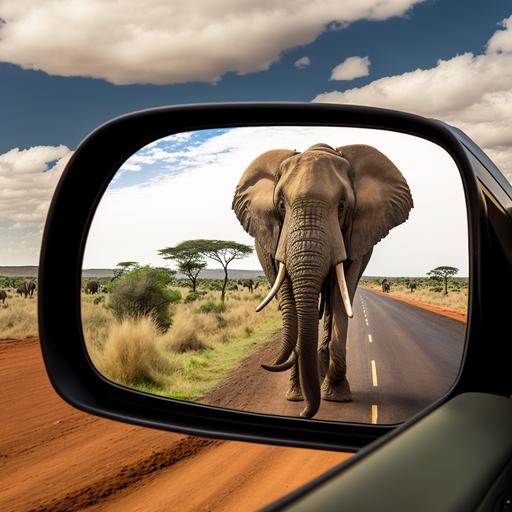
(181, 188)
(66, 67)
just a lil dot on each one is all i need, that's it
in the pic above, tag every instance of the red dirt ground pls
(56, 458)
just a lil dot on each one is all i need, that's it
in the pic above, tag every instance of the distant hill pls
(31, 271)
(25, 271)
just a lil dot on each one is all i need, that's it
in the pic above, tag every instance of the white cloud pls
(350, 68)
(169, 42)
(303, 62)
(27, 181)
(472, 92)
(133, 222)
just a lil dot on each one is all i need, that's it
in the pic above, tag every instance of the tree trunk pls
(223, 293)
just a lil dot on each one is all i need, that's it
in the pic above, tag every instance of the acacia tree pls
(190, 261)
(221, 251)
(443, 273)
(123, 267)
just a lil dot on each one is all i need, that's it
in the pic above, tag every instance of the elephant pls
(3, 296)
(412, 286)
(315, 217)
(386, 286)
(92, 287)
(31, 287)
(247, 283)
(26, 288)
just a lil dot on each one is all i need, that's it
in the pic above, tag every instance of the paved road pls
(400, 358)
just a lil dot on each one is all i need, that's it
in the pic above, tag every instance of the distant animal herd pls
(24, 289)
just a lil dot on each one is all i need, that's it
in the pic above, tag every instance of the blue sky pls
(65, 70)
(39, 109)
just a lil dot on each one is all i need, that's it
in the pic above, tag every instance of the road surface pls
(400, 358)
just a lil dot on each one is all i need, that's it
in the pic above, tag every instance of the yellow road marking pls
(370, 339)
(375, 414)
(374, 373)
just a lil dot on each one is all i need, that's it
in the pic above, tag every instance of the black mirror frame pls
(78, 193)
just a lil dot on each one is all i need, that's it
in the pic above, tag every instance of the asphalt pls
(400, 359)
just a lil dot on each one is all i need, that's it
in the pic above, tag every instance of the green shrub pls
(142, 292)
(175, 296)
(192, 296)
(212, 307)
(98, 299)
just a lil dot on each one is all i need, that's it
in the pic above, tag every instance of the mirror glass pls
(314, 271)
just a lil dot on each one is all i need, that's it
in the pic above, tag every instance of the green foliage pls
(142, 292)
(221, 251)
(212, 307)
(175, 296)
(443, 273)
(123, 267)
(98, 299)
(191, 297)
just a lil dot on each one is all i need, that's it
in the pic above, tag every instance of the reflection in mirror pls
(302, 271)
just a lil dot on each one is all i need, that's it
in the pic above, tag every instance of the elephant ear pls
(253, 202)
(383, 198)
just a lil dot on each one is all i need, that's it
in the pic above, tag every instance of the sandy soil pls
(53, 457)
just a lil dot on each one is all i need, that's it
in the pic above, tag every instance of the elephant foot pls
(294, 394)
(338, 392)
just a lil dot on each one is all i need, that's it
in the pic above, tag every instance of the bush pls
(142, 293)
(132, 354)
(189, 344)
(191, 297)
(98, 299)
(175, 296)
(212, 307)
(248, 331)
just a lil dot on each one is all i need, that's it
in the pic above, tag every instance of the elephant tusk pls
(281, 274)
(283, 366)
(342, 284)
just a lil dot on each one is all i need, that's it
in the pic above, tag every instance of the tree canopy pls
(124, 266)
(443, 272)
(221, 251)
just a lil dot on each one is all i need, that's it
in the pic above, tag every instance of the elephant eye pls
(281, 204)
(341, 208)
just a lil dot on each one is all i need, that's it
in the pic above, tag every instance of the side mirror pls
(368, 219)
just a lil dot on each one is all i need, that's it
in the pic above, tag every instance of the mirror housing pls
(86, 178)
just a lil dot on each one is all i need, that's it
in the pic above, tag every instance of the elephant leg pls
(326, 335)
(294, 393)
(335, 386)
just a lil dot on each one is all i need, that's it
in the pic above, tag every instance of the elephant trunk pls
(308, 264)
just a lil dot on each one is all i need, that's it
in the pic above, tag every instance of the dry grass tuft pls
(18, 316)
(189, 330)
(132, 354)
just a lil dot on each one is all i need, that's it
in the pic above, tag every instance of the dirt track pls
(53, 457)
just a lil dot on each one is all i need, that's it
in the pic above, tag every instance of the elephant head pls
(313, 215)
